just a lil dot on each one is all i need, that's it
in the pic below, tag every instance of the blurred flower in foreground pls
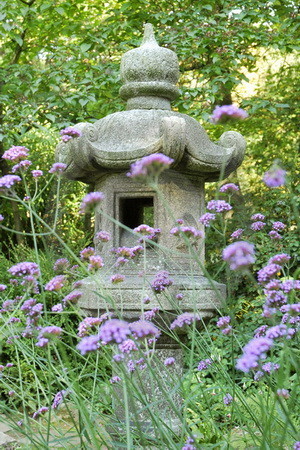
(90, 201)
(239, 255)
(275, 176)
(225, 113)
(149, 166)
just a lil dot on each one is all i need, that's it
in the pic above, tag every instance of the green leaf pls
(85, 47)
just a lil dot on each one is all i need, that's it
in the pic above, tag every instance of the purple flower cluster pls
(58, 168)
(8, 181)
(88, 344)
(281, 258)
(239, 255)
(95, 263)
(161, 281)
(150, 315)
(103, 236)
(223, 324)
(278, 226)
(24, 268)
(117, 278)
(143, 329)
(206, 218)
(184, 319)
(86, 253)
(204, 364)
(147, 232)
(87, 324)
(274, 177)
(69, 133)
(21, 165)
(16, 153)
(90, 201)
(59, 398)
(128, 252)
(48, 333)
(56, 283)
(257, 226)
(37, 173)
(229, 187)
(189, 232)
(227, 399)
(169, 361)
(255, 350)
(61, 265)
(218, 206)
(149, 166)
(274, 235)
(268, 272)
(39, 412)
(114, 330)
(257, 216)
(237, 233)
(222, 114)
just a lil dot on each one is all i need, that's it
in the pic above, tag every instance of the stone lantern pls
(102, 155)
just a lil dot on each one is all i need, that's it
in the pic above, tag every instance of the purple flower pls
(278, 226)
(280, 259)
(222, 114)
(179, 296)
(227, 399)
(188, 447)
(206, 218)
(161, 281)
(24, 268)
(21, 165)
(86, 253)
(114, 330)
(257, 216)
(57, 308)
(128, 252)
(88, 344)
(128, 346)
(50, 332)
(237, 233)
(274, 235)
(37, 173)
(8, 181)
(117, 278)
(142, 329)
(257, 226)
(59, 398)
(39, 412)
(147, 232)
(149, 166)
(2, 287)
(169, 361)
(58, 168)
(268, 272)
(285, 393)
(218, 206)
(88, 324)
(223, 322)
(56, 283)
(150, 315)
(189, 232)
(103, 236)
(184, 319)
(90, 201)
(239, 255)
(296, 445)
(73, 297)
(204, 364)
(16, 153)
(69, 133)
(1, 218)
(229, 187)
(254, 351)
(61, 265)
(115, 379)
(95, 262)
(274, 177)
